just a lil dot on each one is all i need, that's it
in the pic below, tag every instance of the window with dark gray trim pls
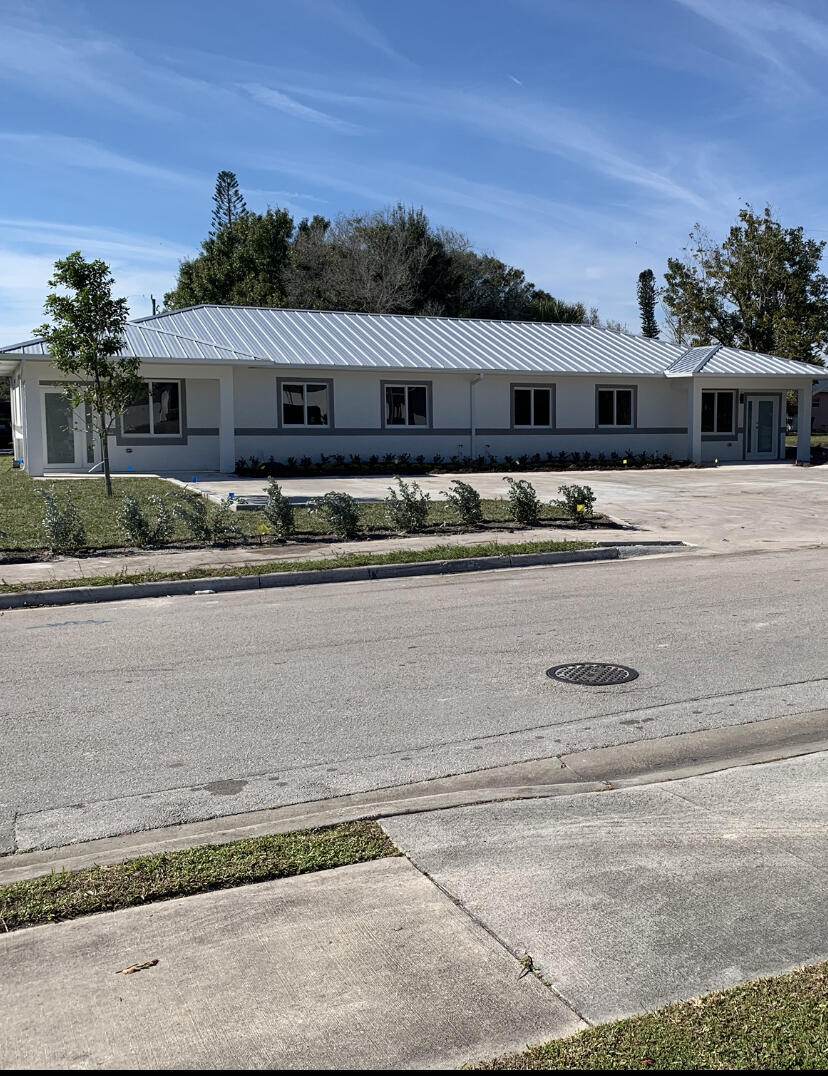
(305, 403)
(533, 405)
(615, 407)
(154, 412)
(718, 411)
(406, 405)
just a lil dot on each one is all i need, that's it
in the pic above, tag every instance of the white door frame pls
(751, 434)
(82, 438)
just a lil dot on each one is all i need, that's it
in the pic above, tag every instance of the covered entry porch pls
(733, 422)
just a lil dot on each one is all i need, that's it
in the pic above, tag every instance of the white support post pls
(694, 442)
(227, 423)
(804, 404)
(30, 399)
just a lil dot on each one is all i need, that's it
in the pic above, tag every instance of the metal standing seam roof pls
(731, 360)
(691, 362)
(331, 339)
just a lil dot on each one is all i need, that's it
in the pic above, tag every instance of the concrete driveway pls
(719, 509)
(632, 899)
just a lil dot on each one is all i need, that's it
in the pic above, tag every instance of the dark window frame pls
(715, 393)
(615, 389)
(126, 438)
(427, 385)
(544, 387)
(304, 382)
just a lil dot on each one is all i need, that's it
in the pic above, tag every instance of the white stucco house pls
(227, 382)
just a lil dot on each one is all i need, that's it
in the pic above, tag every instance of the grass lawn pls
(21, 510)
(70, 894)
(778, 1023)
(818, 440)
(347, 560)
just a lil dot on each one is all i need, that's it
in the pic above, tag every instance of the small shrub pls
(465, 501)
(142, 530)
(65, 532)
(524, 506)
(406, 507)
(212, 524)
(279, 511)
(340, 513)
(576, 501)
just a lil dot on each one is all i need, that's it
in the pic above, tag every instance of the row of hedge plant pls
(406, 464)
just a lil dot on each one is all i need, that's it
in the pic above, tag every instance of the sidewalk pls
(185, 559)
(626, 900)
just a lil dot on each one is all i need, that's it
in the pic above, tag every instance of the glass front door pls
(64, 433)
(761, 427)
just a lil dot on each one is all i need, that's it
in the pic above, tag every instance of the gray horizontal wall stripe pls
(202, 431)
(720, 437)
(571, 431)
(369, 431)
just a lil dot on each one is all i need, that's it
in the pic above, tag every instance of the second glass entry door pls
(761, 427)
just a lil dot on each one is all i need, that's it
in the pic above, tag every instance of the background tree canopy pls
(762, 289)
(393, 261)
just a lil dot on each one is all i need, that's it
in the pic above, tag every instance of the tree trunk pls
(103, 429)
(105, 454)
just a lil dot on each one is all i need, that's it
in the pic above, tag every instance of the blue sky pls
(577, 139)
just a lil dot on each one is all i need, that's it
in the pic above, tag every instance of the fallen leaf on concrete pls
(137, 967)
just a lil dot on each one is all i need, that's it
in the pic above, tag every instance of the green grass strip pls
(346, 560)
(777, 1023)
(70, 894)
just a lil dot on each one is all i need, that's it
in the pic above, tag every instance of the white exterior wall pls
(201, 426)
(358, 413)
(731, 449)
(17, 415)
(200, 447)
(232, 412)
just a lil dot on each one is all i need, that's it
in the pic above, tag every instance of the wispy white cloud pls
(53, 149)
(775, 33)
(61, 66)
(141, 264)
(348, 18)
(265, 95)
(516, 81)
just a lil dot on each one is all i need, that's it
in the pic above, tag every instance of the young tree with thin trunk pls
(84, 335)
(647, 295)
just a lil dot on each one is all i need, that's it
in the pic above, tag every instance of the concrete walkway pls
(633, 899)
(366, 967)
(186, 559)
(626, 900)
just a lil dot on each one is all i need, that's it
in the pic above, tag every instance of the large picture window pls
(532, 405)
(406, 405)
(718, 412)
(154, 412)
(305, 403)
(616, 407)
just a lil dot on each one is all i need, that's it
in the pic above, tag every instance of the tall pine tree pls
(228, 203)
(647, 301)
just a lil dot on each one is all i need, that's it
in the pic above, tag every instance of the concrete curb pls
(601, 769)
(166, 588)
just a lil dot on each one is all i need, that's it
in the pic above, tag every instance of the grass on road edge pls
(165, 875)
(346, 560)
(776, 1023)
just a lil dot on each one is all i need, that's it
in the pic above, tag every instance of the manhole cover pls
(592, 673)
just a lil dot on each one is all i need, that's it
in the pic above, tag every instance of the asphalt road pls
(123, 716)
